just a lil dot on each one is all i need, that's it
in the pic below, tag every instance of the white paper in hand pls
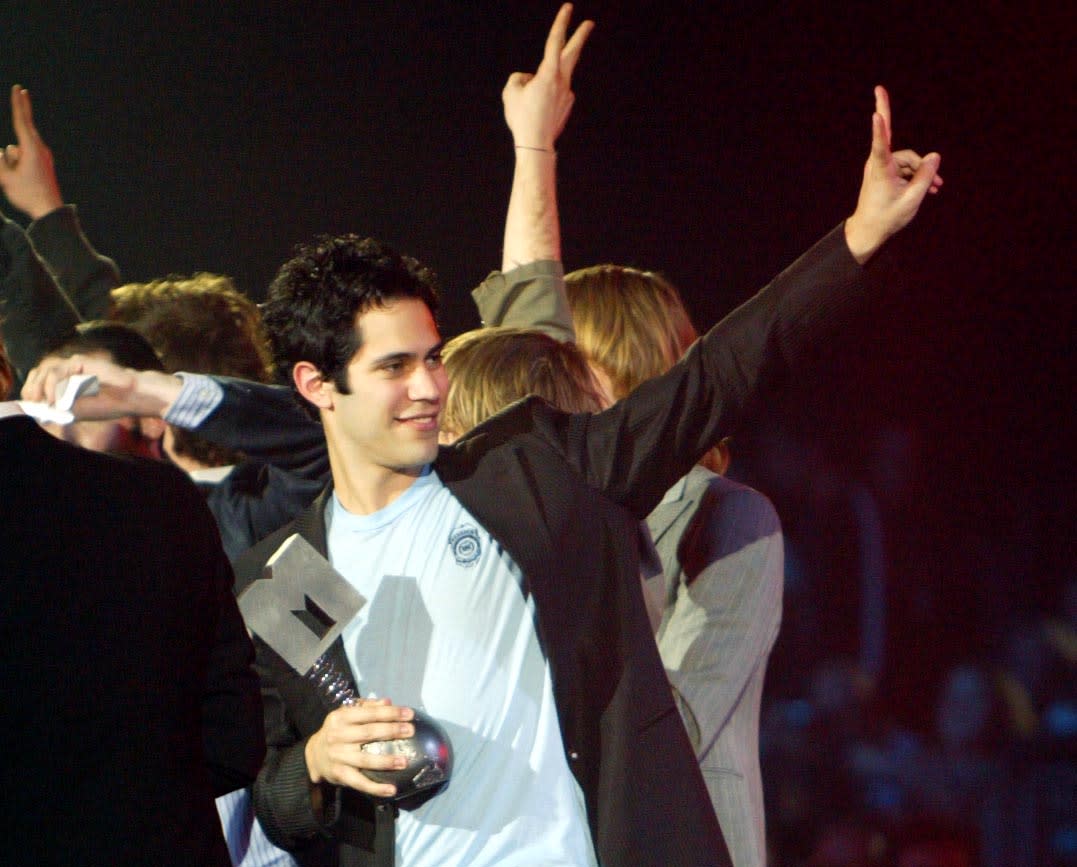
(69, 390)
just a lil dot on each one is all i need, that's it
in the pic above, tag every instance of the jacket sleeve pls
(266, 423)
(282, 792)
(83, 275)
(634, 451)
(717, 634)
(34, 314)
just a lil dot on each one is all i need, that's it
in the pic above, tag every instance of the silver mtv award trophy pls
(299, 609)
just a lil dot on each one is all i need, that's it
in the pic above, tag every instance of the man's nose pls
(425, 384)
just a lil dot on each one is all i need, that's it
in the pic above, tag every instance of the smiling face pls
(386, 429)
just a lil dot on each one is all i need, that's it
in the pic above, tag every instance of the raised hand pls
(893, 188)
(537, 105)
(27, 173)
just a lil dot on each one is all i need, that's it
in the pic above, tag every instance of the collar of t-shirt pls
(211, 475)
(375, 520)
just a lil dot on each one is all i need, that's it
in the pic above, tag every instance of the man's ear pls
(312, 386)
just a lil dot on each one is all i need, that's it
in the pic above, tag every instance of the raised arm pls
(27, 172)
(28, 179)
(635, 450)
(537, 106)
(529, 290)
(34, 314)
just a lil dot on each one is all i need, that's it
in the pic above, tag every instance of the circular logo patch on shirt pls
(465, 544)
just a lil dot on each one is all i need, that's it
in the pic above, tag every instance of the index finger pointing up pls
(22, 116)
(882, 105)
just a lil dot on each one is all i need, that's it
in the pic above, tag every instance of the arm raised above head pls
(641, 445)
(529, 290)
(537, 106)
(36, 314)
(635, 450)
(28, 176)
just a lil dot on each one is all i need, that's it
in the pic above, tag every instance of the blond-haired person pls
(720, 545)
(492, 367)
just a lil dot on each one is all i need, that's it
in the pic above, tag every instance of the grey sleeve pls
(530, 296)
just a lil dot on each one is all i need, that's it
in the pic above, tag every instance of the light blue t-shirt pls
(446, 629)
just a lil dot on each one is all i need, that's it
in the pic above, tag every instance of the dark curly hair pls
(314, 300)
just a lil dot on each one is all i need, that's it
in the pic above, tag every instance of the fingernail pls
(405, 731)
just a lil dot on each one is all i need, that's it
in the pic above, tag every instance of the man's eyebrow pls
(391, 358)
(394, 357)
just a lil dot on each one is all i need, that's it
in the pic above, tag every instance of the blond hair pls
(631, 324)
(491, 367)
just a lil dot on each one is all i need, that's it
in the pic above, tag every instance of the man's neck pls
(365, 489)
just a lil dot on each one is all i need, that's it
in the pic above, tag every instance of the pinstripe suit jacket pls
(721, 549)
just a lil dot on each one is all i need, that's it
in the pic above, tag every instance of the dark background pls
(711, 141)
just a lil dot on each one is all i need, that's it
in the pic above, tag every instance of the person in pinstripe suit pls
(720, 546)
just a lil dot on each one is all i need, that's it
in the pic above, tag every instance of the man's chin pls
(417, 461)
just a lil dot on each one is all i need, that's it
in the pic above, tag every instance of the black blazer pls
(561, 493)
(129, 697)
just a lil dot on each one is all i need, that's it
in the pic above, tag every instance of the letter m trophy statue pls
(299, 609)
